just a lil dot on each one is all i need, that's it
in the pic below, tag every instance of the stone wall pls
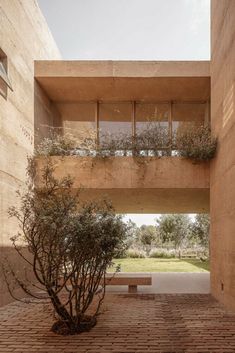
(222, 178)
(24, 37)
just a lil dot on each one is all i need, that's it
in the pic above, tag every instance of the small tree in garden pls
(69, 251)
(148, 237)
(174, 228)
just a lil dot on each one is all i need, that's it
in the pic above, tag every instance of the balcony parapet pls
(137, 185)
(130, 172)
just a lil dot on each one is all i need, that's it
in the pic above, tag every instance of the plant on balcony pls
(56, 144)
(68, 251)
(111, 144)
(66, 144)
(196, 143)
(152, 141)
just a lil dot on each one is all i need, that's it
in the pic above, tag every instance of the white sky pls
(147, 219)
(130, 30)
(140, 219)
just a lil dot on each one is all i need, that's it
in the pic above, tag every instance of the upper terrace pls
(122, 97)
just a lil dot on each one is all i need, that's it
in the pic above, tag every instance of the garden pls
(176, 243)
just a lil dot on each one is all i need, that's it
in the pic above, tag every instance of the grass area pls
(161, 265)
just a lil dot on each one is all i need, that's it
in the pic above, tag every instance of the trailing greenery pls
(196, 143)
(154, 141)
(55, 145)
(59, 144)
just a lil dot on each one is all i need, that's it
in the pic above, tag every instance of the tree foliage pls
(174, 228)
(69, 251)
(200, 229)
(148, 236)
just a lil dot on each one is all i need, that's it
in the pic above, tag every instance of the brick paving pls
(129, 323)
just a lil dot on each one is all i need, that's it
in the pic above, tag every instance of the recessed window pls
(187, 114)
(3, 70)
(151, 114)
(115, 119)
(79, 119)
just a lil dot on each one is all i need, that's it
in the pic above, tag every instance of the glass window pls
(3, 75)
(115, 121)
(78, 118)
(148, 114)
(152, 126)
(4, 78)
(185, 115)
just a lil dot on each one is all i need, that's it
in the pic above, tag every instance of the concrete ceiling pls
(73, 81)
(153, 200)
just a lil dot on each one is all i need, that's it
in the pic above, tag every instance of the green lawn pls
(161, 265)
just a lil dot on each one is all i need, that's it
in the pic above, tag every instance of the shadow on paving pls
(198, 263)
(129, 323)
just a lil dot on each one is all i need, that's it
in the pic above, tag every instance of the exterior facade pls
(24, 37)
(222, 175)
(90, 98)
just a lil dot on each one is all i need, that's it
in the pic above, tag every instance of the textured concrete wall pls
(136, 185)
(222, 180)
(46, 114)
(24, 37)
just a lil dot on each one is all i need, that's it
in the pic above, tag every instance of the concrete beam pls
(144, 185)
(69, 81)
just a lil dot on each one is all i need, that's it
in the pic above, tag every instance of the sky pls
(130, 30)
(140, 219)
(147, 219)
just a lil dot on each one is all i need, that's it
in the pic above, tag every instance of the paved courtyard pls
(166, 323)
(169, 282)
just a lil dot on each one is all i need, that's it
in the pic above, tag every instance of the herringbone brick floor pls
(128, 324)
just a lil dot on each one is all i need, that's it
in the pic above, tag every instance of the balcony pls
(111, 106)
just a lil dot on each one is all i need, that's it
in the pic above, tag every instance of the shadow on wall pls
(8, 253)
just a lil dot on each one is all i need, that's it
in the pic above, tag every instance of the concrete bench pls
(189, 256)
(131, 281)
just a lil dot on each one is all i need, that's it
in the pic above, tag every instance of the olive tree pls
(148, 236)
(174, 229)
(69, 251)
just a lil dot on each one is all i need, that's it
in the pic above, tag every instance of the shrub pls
(135, 254)
(55, 145)
(162, 253)
(58, 143)
(69, 251)
(196, 143)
